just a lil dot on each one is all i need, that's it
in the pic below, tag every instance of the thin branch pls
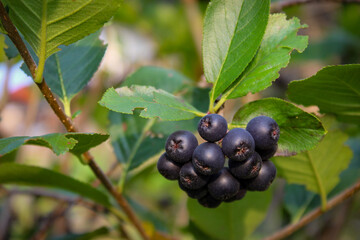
(279, 6)
(288, 230)
(66, 121)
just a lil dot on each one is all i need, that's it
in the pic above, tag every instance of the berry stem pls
(231, 126)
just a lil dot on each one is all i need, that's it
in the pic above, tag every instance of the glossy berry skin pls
(209, 202)
(168, 168)
(263, 180)
(194, 193)
(238, 144)
(223, 185)
(265, 132)
(246, 169)
(240, 195)
(191, 179)
(212, 127)
(268, 153)
(208, 158)
(180, 146)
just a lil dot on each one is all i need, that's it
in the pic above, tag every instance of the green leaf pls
(299, 130)
(157, 77)
(280, 39)
(233, 30)
(334, 89)
(319, 168)
(12, 173)
(47, 24)
(77, 143)
(297, 200)
(231, 221)
(153, 103)
(68, 71)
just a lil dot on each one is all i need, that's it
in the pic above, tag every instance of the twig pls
(279, 6)
(288, 230)
(66, 121)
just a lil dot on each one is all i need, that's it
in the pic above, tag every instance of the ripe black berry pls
(238, 144)
(223, 185)
(209, 202)
(180, 146)
(169, 169)
(265, 132)
(240, 195)
(268, 153)
(191, 179)
(263, 180)
(212, 127)
(194, 193)
(208, 158)
(247, 169)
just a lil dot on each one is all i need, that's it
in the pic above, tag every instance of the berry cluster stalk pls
(66, 121)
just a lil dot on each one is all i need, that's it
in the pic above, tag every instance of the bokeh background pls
(164, 33)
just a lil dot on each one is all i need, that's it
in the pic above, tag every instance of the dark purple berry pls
(263, 180)
(212, 127)
(268, 153)
(265, 132)
(223, 185)
(247, 169)
(208, 158)
(180, 146)
(238, 144)
(191, 179)
(240, 195)
(169, 169)
(194, 193)
(209, 202)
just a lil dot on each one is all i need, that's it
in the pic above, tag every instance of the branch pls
(279, 6)
(66, 121)
(288, 230)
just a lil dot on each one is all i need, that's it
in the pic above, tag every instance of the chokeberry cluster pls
(227, 165)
